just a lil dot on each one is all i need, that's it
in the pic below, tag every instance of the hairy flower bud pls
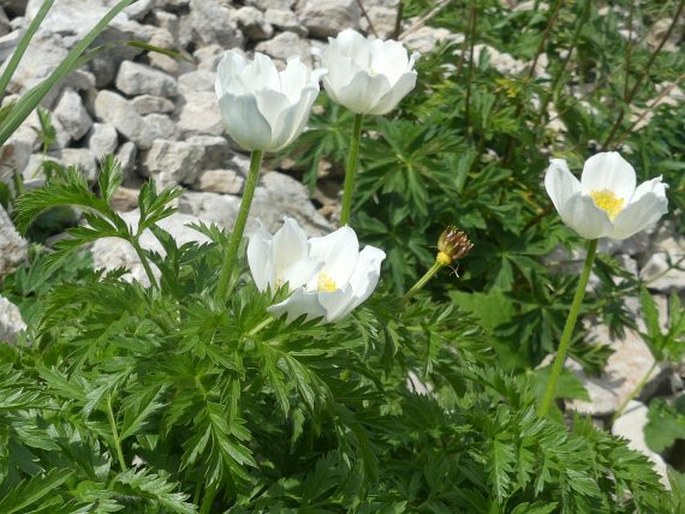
(453, 244)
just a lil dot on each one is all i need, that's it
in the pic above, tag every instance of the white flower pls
(367, 76)
(605, 202)
(264, 109)
(327, 276)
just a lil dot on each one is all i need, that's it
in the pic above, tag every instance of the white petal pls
(390, 59)
(336, 303)
(582, 215)
(338, 251)
(363, 92)
(648, 204)
(230, 66)
(244, 123)
(292, 121)
(560, 183)
(608, 170)
(288, 248)
(258, 251)
(365, 277)
(389, 101)
(298, 304)
(271, 105)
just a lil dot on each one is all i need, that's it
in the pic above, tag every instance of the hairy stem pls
(239, 227)
(351, 170)
(550, 391)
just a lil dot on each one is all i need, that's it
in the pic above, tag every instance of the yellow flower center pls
(608, 202)
(325, 284)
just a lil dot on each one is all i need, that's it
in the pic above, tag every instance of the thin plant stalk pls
(558, 365)
(562, 70)
(351, 170)
(239, 227)
(135, 243)
(636, 391)
(645, 71)
(420, 283)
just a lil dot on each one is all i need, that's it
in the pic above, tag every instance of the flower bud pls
(453, 244)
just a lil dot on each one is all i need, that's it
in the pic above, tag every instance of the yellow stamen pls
(608, 202)
(443, 258)
(325, 284)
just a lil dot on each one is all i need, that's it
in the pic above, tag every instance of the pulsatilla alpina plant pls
(294, 375)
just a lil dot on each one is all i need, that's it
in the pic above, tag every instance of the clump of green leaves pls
(160, 399)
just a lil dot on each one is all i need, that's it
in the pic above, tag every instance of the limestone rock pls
(148, 104)
(43, 55)
(253, 24)
(213, 23)
(197, 81)
(83, 159)
(11, 322)
(138, 79)
(664, 270)
(200, 115)
(220, 181)
(126, 155)
(72, 114)
(263, 5)
(13, 247)
(172, 162)
(324, 18)
(102, 139)
(285, 20)
(73, 17)
(115, 110)
(285, 45)
(216, 152)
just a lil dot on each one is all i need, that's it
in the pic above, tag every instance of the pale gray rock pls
(208, 58)
(383, 20)
(13, 247)
(71, 113)
(284, 20)
(220, 181)
(73, 17)
(115, 110)
(424, 39)
(139, 79)
(148, 104)
(200, 115)
(137, 10)
(82, 159)
(251, 21)
(664, 270)
(285, 45)
(8, 42)
(103, 139)
(172, 162)
(214, 23)
(197, 81)
(112, 253)
(263, 5)
(43, 55)
(126, 155)
(211, 207)
(630, 425)
(14, 157)
(324, 18)
(278, 195)
(162, 125)
(168, 21)
(625, 368)
(34, 170)
(216, 152)
(11, 322)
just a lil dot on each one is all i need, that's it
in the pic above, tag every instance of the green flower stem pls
(351, 170)
(634, 392)
(115, 434)
(437, 266)
(558, 365)
(239, 227)
(135, 243)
